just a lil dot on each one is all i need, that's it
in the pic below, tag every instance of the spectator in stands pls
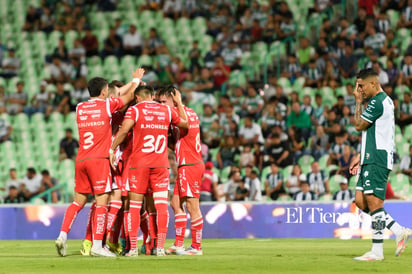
(14, 196)
(17, 100)
(112, 45)
(406, 17)
(68, 146)
(172, 8)
(154, 42)
(319, 143)
(76, 70)
(246, 157)
(305, 51)
(375, 40)
(10, 65)
(300, 119)
(32, 20)
(297, 143)
(242, 192)
(210, 57)
(61, 50)
(228, 115)
(107, 5)
(313, 76)
(393, 72)
(232, 55)
(132, 42)
(277, 150)
(194, 56)
(31, 184)
(294, 179)
(47, 20)
(336, 149)
(227, 152)
(317, 179)
(344, 194)
(57, 69)
(252, 104)
(405, 76)
(3, 100)
(213, 136)
(60, 102)
(80, 93)
(78, 51)
(250, 133)
(5, 131)
(344, 161)
(208, 188)
(383, 76)
(231, 185)
(292, 68)
(406, 163)
(207, 117)
(39, 101)
(90, 43)
(220, 72)
(47, 183)
(347, 64)
(274, 182)
(405, 110)
(13, 180)
(304, 194)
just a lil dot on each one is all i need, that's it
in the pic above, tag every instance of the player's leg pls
(180, 220)
(80, 200)
(87, 242)
(115, 206)
(159, 183)
(124, 239)
(144, 226)
(150, 208)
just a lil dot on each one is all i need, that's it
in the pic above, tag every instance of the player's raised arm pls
(360, 123)
(177, 98)
(127, 91)
(127, 125)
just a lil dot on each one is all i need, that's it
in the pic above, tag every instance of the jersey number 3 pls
(152, 144)
(88, 140)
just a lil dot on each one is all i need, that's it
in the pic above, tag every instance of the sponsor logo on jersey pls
(96, 116)
(93, 111)
(147, 112)
(149, 118)
(194, 126)
(161, 118)
(83, 118)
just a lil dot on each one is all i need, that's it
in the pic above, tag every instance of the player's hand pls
(354, 166)
(177, 97)
(112, 159)
(357, 93)
(138, 73)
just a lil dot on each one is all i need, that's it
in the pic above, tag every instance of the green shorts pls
(373, 180)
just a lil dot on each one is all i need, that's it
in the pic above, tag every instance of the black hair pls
(12, 169)
(144, 91)
(95, 86)
(166, 91)
(45, 172)
(31, 170)
(365, 73)
(69, 130)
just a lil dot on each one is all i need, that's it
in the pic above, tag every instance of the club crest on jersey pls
(366, 173)
(367, 156)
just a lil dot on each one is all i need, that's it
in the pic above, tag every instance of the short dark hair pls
(12, 169)
(253, 172)
(166, 91)
(69, 130)
(116, 83)
(144, 91)
(31, 170)
(45, 172)
(95, 86)
(365, 73)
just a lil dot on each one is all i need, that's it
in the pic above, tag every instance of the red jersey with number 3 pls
(152, 121)
(188, 148)
(94, 121)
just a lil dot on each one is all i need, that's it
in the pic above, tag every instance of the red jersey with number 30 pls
(188, 148)
(94, 121)
(152, 121)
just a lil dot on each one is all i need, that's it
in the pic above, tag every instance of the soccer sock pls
(134, 222)
(70, 216)
(126, 226)
(114, 207)
(144, 225)
(392, 225)
(196, 228)
(114, 235)
(162, 219)
(378, 227)
(89, 233)
(180, 228)
(152, 228)
(99, 225)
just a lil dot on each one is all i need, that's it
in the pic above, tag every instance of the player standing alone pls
(92, 168)
(377, 123)
(189, 179)
(149, 163)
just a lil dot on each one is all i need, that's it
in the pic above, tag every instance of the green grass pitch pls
(220, 256)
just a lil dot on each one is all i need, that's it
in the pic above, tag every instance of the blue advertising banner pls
(222, 220)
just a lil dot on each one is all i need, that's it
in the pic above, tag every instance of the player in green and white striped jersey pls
(377, 123)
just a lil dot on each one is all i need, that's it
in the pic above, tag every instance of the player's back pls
(95, 128)
(188, 149)
(150, 134)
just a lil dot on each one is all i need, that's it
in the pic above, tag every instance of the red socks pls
(162, 220)
(196, 229)
(153, 228)
(144, 225)
(89, 232)
(180, 228)
(114, 207)
(134, 222)
(70, 216)
(99, 222)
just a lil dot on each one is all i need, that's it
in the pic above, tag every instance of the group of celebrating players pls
(124, 135)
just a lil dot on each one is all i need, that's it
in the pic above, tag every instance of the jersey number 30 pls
(152, 144)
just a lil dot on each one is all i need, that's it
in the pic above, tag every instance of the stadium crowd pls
(285, 137)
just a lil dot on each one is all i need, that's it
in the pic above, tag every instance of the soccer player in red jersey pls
(92, 168)
(149, 163)
(189, 179)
